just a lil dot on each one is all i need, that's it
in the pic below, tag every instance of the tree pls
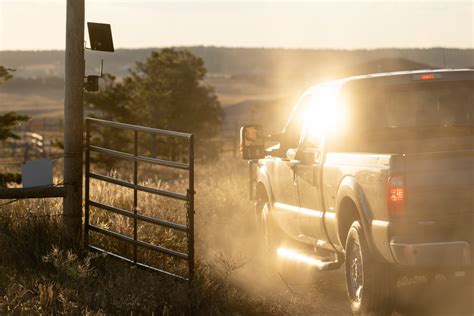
(166, 91)
(4, 74)
(7, 122)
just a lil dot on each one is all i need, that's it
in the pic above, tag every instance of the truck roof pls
(407, 76)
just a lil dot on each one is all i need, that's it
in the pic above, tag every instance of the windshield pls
(420, 105)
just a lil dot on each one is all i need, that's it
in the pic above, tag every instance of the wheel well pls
(347, 215)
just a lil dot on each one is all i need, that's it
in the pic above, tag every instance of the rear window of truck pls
(433, 104)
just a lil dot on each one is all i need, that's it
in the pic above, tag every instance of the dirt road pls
(311, 292)
(297, 289)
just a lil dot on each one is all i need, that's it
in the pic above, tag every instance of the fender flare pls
(350, 188)
(263, 178)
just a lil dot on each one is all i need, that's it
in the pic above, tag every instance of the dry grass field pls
(41, 274)
(37, 106)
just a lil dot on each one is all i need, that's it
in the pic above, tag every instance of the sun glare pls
(327, 112)
(293, 255)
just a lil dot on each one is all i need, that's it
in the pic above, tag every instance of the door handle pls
(294, 166)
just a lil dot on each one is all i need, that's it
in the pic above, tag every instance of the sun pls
(327, 112)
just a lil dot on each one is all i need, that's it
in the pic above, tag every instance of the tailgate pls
(440, 193)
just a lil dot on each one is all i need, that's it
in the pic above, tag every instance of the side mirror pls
(252, 142)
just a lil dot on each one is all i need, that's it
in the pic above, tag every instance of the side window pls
(312, 139)
(295, 123)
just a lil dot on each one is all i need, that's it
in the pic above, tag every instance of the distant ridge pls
(238, 61)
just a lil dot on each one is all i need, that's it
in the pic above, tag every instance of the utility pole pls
(73, 117)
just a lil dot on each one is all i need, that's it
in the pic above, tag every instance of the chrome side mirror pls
(252, 142)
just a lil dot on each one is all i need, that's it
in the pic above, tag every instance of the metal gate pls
(135, 241)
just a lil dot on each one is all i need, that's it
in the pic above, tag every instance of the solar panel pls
(100, 36)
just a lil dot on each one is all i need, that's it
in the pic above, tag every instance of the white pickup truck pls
(374, 173)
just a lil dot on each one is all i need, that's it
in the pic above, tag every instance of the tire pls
(267, 233)
(370, 284)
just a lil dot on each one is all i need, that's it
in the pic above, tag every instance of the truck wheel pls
(268, 240)
(370, 285)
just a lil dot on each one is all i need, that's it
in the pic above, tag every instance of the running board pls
(319, 263)
(329, 265)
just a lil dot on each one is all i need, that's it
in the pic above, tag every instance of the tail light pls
(396, 196)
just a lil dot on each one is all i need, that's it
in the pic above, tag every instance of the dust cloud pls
(226, 229)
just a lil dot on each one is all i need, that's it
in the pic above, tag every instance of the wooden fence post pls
(73, 116)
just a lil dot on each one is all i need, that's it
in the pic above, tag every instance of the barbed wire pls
(8, 203)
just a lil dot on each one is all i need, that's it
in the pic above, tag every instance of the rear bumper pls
(432, 255)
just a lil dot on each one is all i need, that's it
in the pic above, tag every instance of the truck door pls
(286, 202)
(308, 173)
(326, 115)
(286, 205)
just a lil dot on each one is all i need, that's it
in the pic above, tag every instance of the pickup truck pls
(373, 173)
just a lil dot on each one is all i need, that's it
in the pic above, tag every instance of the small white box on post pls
(37, 173)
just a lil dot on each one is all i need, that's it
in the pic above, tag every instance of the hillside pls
(239, 61)
(251, 83)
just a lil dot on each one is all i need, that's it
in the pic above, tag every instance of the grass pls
(41, 274)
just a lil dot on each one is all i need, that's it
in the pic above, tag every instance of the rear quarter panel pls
(370, 171)
(362, 177)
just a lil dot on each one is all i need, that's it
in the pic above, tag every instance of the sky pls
(350, 24)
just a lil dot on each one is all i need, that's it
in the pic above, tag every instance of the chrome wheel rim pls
(356, 275)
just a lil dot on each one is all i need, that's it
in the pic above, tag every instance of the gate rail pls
(189, 197)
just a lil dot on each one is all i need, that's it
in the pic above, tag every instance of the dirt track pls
(303, 290)
(324, 293)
